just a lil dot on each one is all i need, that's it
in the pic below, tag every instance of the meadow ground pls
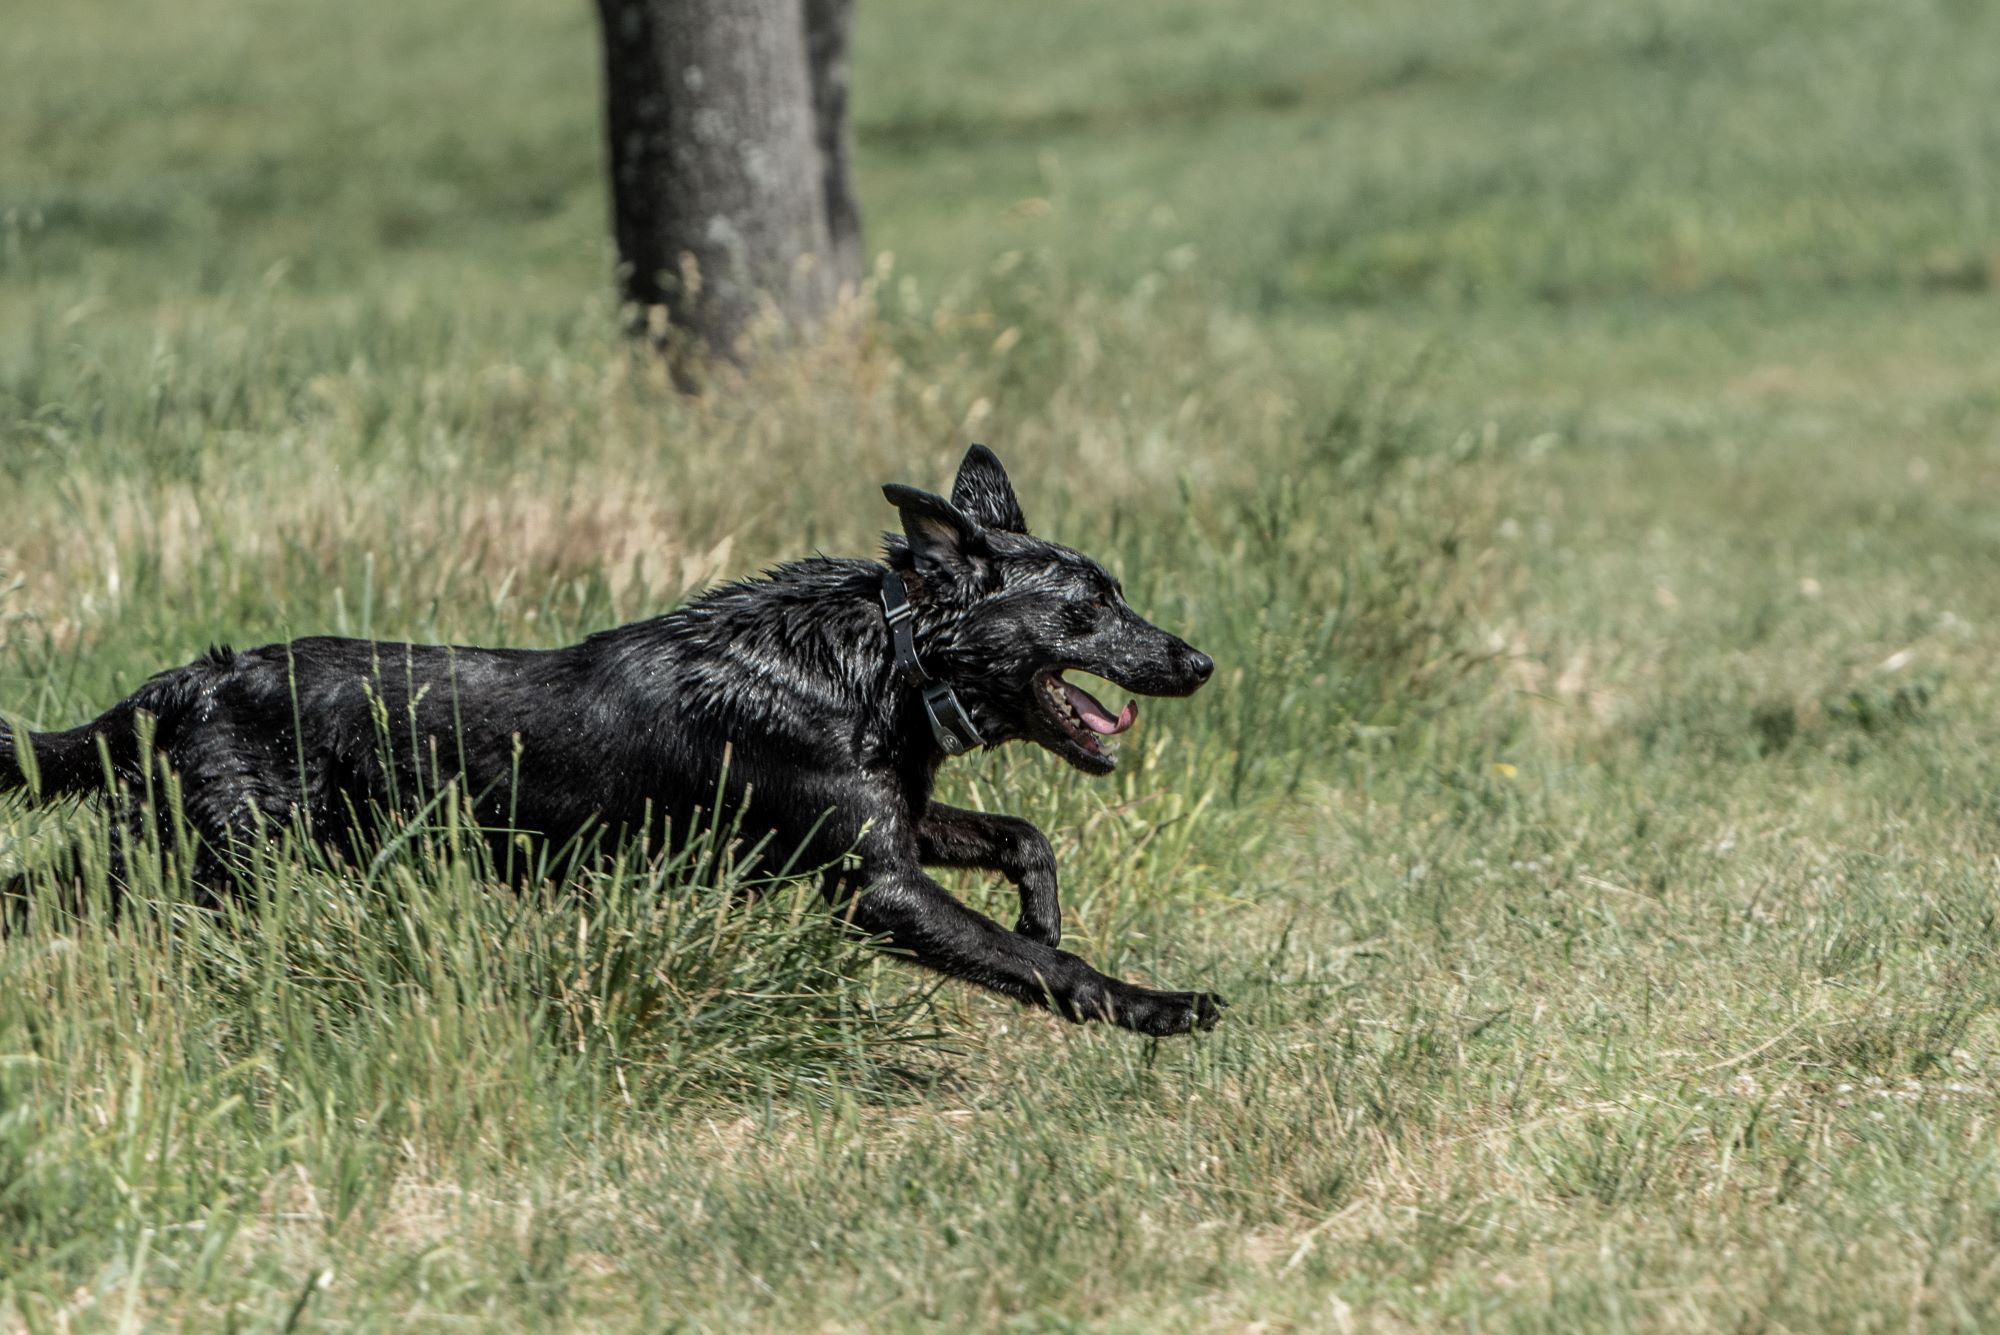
(1575, 429)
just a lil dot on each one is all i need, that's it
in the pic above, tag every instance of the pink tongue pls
(1095, 716)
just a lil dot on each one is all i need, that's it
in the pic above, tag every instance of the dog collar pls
(950, 724)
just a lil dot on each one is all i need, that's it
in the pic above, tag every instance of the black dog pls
(812, 706)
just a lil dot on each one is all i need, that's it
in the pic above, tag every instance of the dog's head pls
(1007, 614)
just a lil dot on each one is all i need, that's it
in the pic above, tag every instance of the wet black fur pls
(780, 690)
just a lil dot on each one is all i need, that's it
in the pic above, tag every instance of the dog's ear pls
(983, 491)
(943, 538)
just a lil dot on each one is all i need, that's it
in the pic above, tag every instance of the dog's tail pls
(72, 763)
(111, 747)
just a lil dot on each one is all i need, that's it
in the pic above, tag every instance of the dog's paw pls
(1046, 929)
(1164, 1014)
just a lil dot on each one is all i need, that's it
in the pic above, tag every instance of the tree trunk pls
(827, 25)
(720, 187)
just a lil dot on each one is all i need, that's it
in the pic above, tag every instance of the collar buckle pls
(949, 721)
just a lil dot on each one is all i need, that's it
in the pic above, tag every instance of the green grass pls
(1573, 428)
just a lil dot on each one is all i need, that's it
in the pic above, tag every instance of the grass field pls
(1573, 428)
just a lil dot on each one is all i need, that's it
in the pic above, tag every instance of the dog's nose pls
(1200, 664)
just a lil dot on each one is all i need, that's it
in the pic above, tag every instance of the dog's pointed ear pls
(943, 538)
(983, 491)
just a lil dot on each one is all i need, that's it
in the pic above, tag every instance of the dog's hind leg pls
(63, 875)
(954, 837)
(920, 917)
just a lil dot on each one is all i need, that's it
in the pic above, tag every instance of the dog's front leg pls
(920, 916)
(955, 837)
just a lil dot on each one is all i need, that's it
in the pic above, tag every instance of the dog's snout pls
(1200, 665)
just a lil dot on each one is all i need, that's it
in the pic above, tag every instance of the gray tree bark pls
(828, 23)
(730, 172)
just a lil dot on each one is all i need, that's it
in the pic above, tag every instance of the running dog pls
(810, 709)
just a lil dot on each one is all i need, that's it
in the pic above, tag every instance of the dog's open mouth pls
(1083, 718)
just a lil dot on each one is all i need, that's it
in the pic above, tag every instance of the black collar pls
(950, 724)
